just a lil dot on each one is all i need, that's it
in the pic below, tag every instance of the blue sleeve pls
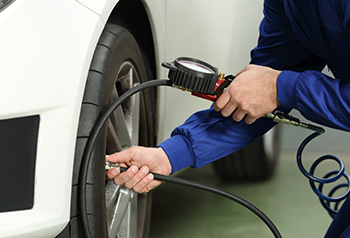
(301, 85)
(207, 136)
(317, 97)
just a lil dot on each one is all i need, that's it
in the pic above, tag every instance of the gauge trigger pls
(220, 87)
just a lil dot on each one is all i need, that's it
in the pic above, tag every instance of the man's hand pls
(252, 94)
(141, 161)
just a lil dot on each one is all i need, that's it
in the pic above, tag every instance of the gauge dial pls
(196, 66)
(193, 74)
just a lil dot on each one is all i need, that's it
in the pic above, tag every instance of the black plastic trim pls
(18, 148)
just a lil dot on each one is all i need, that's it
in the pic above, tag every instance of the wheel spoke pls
(129, 224)
(132, 115)
(135, 117)
(119, 203)
(112, 191)
(113, 143)
(119, 123)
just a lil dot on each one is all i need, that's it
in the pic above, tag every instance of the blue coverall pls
(299, 37)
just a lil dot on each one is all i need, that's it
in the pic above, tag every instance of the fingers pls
(228, 106)
(250, 120)
(238, 115)
(137, 176)
(112, 173)
(144, 185)
(231, 107)
(222, 101)
(137, 179)
(140, 160)
(225, 104)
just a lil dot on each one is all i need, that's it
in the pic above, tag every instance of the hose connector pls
(283, 118)
(109, 165)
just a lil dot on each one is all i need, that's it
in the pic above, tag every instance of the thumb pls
(124, 156)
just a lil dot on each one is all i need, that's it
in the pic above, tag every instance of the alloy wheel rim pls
(122, 133)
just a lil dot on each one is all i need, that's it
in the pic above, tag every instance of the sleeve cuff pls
(179, 152)
(286, 92)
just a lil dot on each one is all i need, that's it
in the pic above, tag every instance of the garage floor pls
(286, 198)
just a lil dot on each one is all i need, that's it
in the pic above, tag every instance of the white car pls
(62, 63)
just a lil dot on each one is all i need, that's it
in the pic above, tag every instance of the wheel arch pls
(133, 16)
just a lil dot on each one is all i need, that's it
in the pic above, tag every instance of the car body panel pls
(46, 79)
(101, 8)
(47, 47)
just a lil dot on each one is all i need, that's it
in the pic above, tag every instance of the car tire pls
(113, 211)
(254, 162)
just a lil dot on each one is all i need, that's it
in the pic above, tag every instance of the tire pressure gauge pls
(198, 77)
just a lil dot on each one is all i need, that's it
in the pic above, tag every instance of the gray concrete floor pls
(286, 198)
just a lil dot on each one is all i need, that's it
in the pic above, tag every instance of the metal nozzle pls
(109, 165)
(283, 118)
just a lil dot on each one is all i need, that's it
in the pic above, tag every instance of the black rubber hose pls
(93, 136)
(220, 192)
(89, 148)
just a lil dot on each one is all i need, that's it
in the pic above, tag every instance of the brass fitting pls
(109, 165)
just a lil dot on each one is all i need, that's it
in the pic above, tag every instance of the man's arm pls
(301, 85)
(207, 135)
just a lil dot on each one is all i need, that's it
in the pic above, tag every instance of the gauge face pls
(196, 66)
(193, 74)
